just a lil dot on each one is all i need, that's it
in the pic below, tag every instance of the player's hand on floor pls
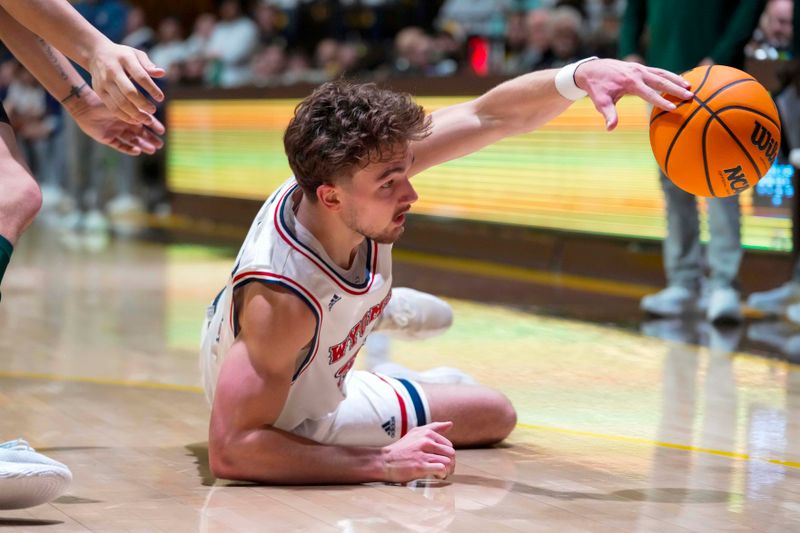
(608, 80)
(114, 68)
(99, 123)
(422, 452)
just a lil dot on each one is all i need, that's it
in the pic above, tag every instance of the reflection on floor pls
(670, 429)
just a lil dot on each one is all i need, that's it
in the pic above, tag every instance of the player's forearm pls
(522, 104)
(50, 67)
(516, 106)
(60, 24)
(269, 455)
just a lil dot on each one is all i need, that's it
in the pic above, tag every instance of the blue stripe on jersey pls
(304, 299)
(281, 208)
(216, 298)
(419, 409)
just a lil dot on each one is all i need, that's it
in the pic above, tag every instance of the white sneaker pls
(412, 315)
(775, 301)
(675, 300)
(95, 222)
(28, 478)
(724, 305)
(793, 313)
(124, 204)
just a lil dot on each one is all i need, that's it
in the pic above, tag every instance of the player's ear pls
(328, 195)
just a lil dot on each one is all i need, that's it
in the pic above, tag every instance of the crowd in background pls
(282, 42)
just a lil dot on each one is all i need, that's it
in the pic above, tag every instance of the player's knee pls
(220, 463)
(31, 200)
(504, 418)
(21, 194)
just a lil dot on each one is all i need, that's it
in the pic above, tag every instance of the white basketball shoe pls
(412, 315)
(28, 478)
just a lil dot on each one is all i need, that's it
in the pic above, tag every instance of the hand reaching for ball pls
(608, 80)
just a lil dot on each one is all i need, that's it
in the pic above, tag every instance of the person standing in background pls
(90, 164)
(682, 35)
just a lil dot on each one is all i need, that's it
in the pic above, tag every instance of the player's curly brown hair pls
(344, 126)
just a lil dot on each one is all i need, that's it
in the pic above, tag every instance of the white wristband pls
(565, 80)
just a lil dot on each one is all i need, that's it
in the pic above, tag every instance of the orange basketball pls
(723, 140)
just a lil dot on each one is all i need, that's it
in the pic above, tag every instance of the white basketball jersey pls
(346, 304)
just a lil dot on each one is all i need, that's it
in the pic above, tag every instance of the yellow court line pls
(660, 444)
(528, 275)
(534, 427)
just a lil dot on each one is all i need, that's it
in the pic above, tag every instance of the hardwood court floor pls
(617, 431)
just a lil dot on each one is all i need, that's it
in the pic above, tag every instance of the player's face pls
(378, 196)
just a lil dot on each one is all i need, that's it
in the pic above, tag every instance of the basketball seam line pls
(699, 87)
(703, 105)
(735, 139)
(755, 111)
(705, 159)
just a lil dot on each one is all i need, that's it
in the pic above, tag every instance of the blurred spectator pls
(538, 36)
(773, 37)
(473, 17)
(268, 66)
(566, 39)
(326, 58)
(35, 118)
(448, 53)
(349, 57)
(8, 69)
(604, 18)
(516, 40)
(232, 46)
(267, 17)
(169, 51)
(198, 42)
(92, 165)
(138, 34)
(413, 50)
(298, 69)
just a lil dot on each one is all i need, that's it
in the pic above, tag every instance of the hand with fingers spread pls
(114, 69)
(424, 451)
(608, 80)
(102, 125)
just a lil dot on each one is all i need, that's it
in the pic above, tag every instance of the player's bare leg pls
(481, 416)
(21, 197)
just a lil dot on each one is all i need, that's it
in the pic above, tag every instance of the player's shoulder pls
(271, 308)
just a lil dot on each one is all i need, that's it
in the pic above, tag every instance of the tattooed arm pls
(61, 80)
(112, 66)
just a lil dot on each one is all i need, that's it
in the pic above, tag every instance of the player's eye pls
(387, 184)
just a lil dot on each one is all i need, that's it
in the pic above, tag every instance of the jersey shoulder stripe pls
(291, 239)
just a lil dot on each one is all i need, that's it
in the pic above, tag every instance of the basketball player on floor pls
(313, 279)
(28, 28)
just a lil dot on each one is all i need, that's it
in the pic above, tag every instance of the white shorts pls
(377, 411)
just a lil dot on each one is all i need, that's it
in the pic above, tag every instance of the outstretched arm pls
(111, 65)
(61, 80)
(527, 102)
(251, 392)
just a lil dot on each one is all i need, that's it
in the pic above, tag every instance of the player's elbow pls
(223, 463)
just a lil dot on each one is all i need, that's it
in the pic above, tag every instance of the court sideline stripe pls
(520, 425)
(528, 275)
(660, 444)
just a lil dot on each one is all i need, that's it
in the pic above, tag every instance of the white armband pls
(565, 80)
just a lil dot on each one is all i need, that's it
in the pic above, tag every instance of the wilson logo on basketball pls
(736, 178)
(762, 139)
